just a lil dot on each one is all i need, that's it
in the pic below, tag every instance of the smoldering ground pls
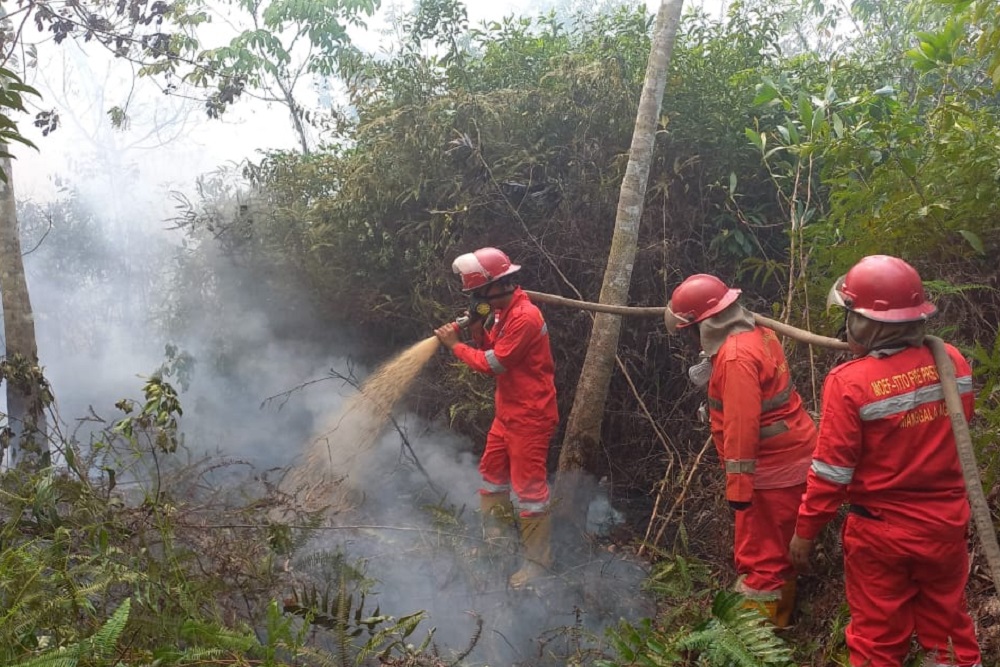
(420, 540)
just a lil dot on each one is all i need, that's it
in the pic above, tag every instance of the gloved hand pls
(739, 506)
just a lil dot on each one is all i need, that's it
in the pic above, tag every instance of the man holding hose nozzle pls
(761, 430)
(886, 447)
(511, 342)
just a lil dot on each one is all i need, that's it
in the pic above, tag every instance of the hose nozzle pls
(478, 311)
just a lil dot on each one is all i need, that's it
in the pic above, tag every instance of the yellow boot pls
(497, 516)
(766, 608)
(786, 605)
(764, 602)
(536, 533)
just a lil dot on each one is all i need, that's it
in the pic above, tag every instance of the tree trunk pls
(293, 109)
(27, 392)
(581, 444)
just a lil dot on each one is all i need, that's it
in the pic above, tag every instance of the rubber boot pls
(786, 605)
(766, 608)
(497, 516)
(536, 533)
(763, 602)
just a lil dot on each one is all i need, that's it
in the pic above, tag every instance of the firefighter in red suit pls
(886, 448)
(512, 344)
(761, 430)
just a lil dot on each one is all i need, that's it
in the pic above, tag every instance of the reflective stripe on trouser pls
(518, 459)
(763, 532)
(898, 584)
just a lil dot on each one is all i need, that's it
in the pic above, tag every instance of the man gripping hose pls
(761, 430)
(510, 342)
(886, 447)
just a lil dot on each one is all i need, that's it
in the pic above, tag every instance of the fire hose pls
(982, 517)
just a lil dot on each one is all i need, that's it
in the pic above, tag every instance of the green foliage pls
(98, 649)
(12, 98)
(678, 578)
(278, 42)
(987, 435)
(981, 20)
(737, 635)
(869, 163)
(266, 56)
(339, 606)
(732, 636)
(157, 418)
(113, 560)
(28, 377)
(696, 627)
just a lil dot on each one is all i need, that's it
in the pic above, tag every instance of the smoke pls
(418, 535)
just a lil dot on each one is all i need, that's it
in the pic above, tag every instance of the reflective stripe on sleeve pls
(832, 473)
(495, 365)
(777, 400)
(771, 430)
(738, 466)
(767, 405)
(911, 400)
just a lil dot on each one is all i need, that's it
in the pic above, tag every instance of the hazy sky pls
(171, 158)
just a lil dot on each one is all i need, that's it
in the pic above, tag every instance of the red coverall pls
(516, 350)
(765, 439)
(886, 447)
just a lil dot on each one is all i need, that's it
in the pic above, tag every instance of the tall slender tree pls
(27, 392)
(583, 430)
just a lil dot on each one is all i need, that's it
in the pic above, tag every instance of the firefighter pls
(761, 430)
(511, 342)
(887, 449)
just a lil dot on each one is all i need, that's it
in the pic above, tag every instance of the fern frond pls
(239, 640)
(738, 636)
(105, 641)
(51, 659)
(100, 646)
(391, 636)
(194, 656)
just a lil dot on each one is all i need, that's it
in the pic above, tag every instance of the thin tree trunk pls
(293, 109)
(581, 443)
(27, 394)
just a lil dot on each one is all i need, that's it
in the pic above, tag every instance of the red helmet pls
(698, 298)
(482, 267)
(884, 289)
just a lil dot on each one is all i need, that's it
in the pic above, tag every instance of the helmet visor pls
(836, 296)
(674, 321)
